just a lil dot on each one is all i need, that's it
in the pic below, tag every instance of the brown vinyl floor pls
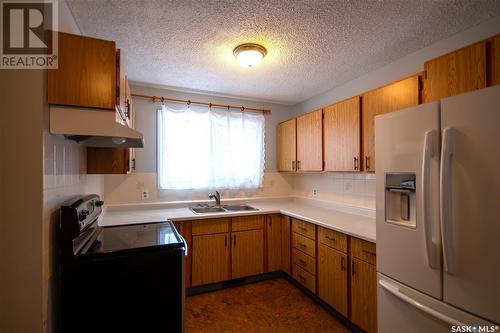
(269, 306)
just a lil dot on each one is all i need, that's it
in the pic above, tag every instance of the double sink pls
(205, 209)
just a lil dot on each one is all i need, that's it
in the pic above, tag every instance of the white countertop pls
(349, 220)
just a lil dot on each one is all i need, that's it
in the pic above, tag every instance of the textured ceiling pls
(313, 46)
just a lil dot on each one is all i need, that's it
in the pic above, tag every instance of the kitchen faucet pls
(215, 196)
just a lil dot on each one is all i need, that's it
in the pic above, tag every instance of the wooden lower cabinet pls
(247, 253)
(363, 295)
(286, 243)
(332, 278)
(210, 258)
(274, 240)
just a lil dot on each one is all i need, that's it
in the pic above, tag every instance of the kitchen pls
(252, 167)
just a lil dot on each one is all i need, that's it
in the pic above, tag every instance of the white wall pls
(128, 188)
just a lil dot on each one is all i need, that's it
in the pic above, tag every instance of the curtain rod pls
(165, 99)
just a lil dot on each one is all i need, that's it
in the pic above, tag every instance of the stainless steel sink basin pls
(238, 208)
(204, 210)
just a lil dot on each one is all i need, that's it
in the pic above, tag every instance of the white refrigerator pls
(438, 215)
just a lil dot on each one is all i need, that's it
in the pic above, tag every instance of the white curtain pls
(204, 148)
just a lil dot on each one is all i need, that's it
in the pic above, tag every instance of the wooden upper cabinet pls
(109, 160)
(341, 136)
(287, 147)
(210, 259)
(395, 96)
(310, 141)
(364, 295)
(274, 243)
(455, 73)
(332, 277)
(247, 253)
(493, 61)
(86, 73)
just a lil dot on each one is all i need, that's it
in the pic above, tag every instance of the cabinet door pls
(493, 63)
(108, 160)
(286, 243)
(364, 295)
(274, 247)
(393, 97)
(341, 130)
(455, 73)
(247, 253)
(210, 259)
(332, 278)
(287, 145)
(310, 142)
(86, 74)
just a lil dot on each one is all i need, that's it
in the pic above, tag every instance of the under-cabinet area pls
(338, 269)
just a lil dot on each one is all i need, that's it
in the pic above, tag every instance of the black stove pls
(127, 278)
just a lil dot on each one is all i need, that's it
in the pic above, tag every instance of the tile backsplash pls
(352, 189)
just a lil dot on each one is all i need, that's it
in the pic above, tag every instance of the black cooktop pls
(137, 236)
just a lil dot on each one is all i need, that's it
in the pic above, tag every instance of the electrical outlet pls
(315, 192)
(144, 194)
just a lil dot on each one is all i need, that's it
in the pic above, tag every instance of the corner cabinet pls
(341, 135)
(310, 141)
(287, 146)
(393, 97)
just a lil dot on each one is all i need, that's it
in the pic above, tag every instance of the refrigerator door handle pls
(445, 200)
(429, 151)
(394, 290)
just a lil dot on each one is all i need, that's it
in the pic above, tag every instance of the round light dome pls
(249, 55)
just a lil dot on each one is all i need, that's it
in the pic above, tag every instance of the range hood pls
(93, 127)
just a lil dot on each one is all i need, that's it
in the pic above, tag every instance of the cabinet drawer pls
(304, 261)
(241, 223)
(210, 226)
(304, 278)
(304, 228)
(333, 238)
(306, 245)
(363, 250)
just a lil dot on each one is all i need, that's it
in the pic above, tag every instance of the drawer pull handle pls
(342, 266)
(330, 238)
(303, 279)
(302, 245)
(353, 268)
(368, 252)
(302, 228)
(302, 261)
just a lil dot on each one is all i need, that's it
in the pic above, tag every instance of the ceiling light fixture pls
(249, 54)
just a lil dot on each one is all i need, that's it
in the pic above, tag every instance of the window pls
(204, 148)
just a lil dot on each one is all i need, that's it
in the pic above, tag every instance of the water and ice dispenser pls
(400, 199)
